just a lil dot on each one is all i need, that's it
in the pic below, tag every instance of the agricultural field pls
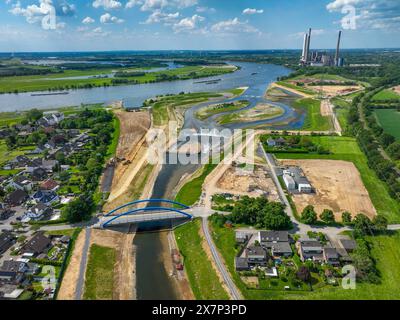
(347, 149)
(389, 120)
(388, 94)
(202, 277)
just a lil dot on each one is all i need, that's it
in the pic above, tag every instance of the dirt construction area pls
(396, 89)
(338, 187)
(253, 183)
(336, 90)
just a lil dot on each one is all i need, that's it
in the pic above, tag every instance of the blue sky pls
(25, 25)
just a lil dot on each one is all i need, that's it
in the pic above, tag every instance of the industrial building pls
(295, 180)
(320, 59)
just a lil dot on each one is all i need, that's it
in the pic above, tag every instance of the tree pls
(346, 217)
(79, 209)
(362, 225)
(380, 223)
(34, 115)
(309, 216)
(327, 216)
(304, 274)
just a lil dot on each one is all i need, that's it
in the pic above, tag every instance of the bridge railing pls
(135, 211)
(146, 201)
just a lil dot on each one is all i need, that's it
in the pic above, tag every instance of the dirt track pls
(338, 187)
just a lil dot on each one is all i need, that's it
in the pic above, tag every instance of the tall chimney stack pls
(308, 45)
(337, 55)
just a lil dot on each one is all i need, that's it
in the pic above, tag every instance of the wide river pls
(253, 75)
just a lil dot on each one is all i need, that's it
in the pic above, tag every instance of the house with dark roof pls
(7, 240)
(331, 256)
(19, 267)
(39, 174)
(45, 197)
(37, 245)
(17, 198)
(310, 250)
(6, 213)
(256, 256)
(278, 242)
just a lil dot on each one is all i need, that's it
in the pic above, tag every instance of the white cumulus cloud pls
(88, 20)
(188, 24)
(252, 11)
(107, 4)
(108, 18)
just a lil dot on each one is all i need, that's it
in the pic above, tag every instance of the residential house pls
(34, 164)
(20, 267)
(51, 118)
(278, 242)
(49, 185)
(348, 245)
(17, 198)
(7, 240)
(20, 161)
(38, 150)
(21, 183)
(37, 212)
(331, 256)
(37, 245)
(48, 165)
(45, 197)
(6, 213)
(256, 256)
(39, 174)
(241, 237)
(241, 264)
(310, 250)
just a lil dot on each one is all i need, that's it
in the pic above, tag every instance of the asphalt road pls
(82, 268)
(233, 291)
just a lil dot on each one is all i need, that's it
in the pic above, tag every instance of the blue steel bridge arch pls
(132, 212)
(144, 201)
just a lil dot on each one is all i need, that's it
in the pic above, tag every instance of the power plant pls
(320, 59)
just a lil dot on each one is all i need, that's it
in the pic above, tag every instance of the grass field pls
(342, 108)
(347, 149)
(212, 110)
(292, 86)
(389, 120)
(385, 250)
(191, 191)
(160, 108)
(202, 277)
(386, 95)
(99, 280)
(112, 148)
(314, 120)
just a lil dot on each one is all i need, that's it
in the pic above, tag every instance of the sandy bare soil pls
(251, 183)
(332, 91)
(396, 89)
(134, 126)
(68, 285)
(338, 187)
(124, 279)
